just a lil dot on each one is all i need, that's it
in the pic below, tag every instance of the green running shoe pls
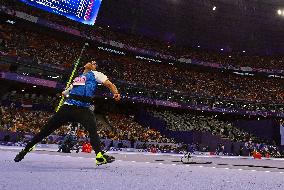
(103, 159)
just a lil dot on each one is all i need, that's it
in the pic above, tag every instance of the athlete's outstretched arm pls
(113, 89)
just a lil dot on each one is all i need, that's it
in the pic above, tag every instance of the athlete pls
(76, 109)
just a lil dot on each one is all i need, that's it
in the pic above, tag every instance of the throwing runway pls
(136, 171)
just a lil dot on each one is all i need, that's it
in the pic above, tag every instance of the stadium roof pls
(233, 25)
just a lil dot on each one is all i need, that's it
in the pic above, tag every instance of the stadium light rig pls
(280, 12)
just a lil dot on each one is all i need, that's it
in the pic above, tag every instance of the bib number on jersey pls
(79, 81)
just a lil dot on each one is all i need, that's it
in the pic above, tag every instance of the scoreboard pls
(84, 11)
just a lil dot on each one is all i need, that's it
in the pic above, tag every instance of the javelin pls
(72, 75)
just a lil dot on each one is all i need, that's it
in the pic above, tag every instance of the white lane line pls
(173, 164)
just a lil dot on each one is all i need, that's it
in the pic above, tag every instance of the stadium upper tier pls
(156, 47)
(43, 46)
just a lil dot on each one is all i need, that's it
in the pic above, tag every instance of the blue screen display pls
(84, 11)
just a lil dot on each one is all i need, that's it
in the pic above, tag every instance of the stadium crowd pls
(43, 47)
(26, 99)
(122, 127)
(199, 82)
(190, 122)
(239, 59)
(22, 120)
(40, 48)
(177, 78)
(127, 128)
(119, 127)
(224, 129)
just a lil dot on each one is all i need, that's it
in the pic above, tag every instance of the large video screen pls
(84, 11)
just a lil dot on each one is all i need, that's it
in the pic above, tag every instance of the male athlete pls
(76, 109)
